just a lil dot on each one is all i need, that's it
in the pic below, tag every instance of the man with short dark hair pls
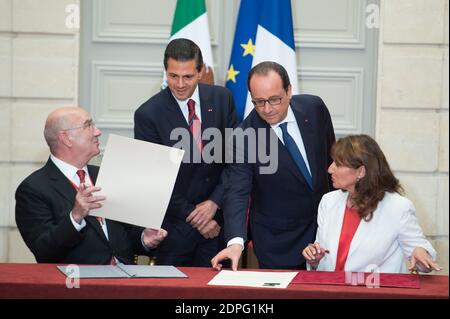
(53, 203)
(283, 203)
(193, 218)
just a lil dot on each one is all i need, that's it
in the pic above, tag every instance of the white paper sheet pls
(253, 279)
(137, 179)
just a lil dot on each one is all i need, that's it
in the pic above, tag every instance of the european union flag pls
(242, 53)
(263, 33)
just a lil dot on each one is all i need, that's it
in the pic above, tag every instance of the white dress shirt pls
(294, 131)
(184, 108)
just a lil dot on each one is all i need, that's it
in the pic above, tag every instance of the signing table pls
(46, 281)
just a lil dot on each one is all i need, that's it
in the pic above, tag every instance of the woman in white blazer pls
(366, 225)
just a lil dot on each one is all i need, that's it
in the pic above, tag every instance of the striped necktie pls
(195, 125)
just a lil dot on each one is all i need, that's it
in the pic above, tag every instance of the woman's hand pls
(422, 261)
(313, 253)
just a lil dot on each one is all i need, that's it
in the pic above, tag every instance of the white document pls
(137, 179)
(253, 279)
(121, 271)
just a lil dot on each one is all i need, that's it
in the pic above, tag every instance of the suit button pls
(207, 179)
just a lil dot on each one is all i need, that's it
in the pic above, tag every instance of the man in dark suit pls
(193, 218)
(283, 201)
(53, 203)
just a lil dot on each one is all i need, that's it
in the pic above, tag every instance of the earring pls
(358, 179)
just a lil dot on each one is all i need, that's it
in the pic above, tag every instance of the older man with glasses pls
(282, 206)
(53, 203)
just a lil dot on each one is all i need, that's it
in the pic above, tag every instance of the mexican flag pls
(191, 22)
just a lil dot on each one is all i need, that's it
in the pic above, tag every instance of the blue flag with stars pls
(263, 33)
(242, 53)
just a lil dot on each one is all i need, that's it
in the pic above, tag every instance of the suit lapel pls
(93, 173)
(208, 110)
(64, 187)
(364, 232)
(60, 183)
(175, 116)
(309, 140)
(285, 157)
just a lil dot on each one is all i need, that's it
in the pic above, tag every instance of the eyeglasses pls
(274, 100)
(89, 124)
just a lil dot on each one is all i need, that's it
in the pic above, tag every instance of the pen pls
(271, 284)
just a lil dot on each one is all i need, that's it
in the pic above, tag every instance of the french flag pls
(264, 32)
(275, 40)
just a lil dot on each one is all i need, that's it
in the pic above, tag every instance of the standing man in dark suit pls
(284, 202)
(53, 203)
(193, 219)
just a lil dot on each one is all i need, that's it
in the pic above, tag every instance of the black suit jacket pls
(283, 208)
(43, 203)
(196, 182)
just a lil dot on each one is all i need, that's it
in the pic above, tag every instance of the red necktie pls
(82, 175)
(195, 125)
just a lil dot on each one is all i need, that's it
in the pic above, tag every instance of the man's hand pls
(210, 230)
(85, 201)
(232, 252)
(153, 237)
(202, 214)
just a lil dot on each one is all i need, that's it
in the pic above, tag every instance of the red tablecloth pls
(46, 281)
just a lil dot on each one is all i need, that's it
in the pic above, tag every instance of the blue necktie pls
(295, 153)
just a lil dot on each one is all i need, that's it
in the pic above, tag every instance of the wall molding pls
(104, 31)
(347, 119)
(353, 37)
(105, 116)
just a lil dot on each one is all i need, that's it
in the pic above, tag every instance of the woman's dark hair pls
(361, 150)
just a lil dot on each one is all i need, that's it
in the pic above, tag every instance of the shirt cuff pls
(236, 240)
(77, 226)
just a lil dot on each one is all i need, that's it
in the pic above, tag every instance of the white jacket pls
(386, 241)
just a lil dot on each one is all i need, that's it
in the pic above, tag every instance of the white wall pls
(38, 73)
(412, 108)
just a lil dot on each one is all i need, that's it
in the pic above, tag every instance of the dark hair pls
(265, 67)
(361, 150)
(183, 50)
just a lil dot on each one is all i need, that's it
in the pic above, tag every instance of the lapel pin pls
(306, 120)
